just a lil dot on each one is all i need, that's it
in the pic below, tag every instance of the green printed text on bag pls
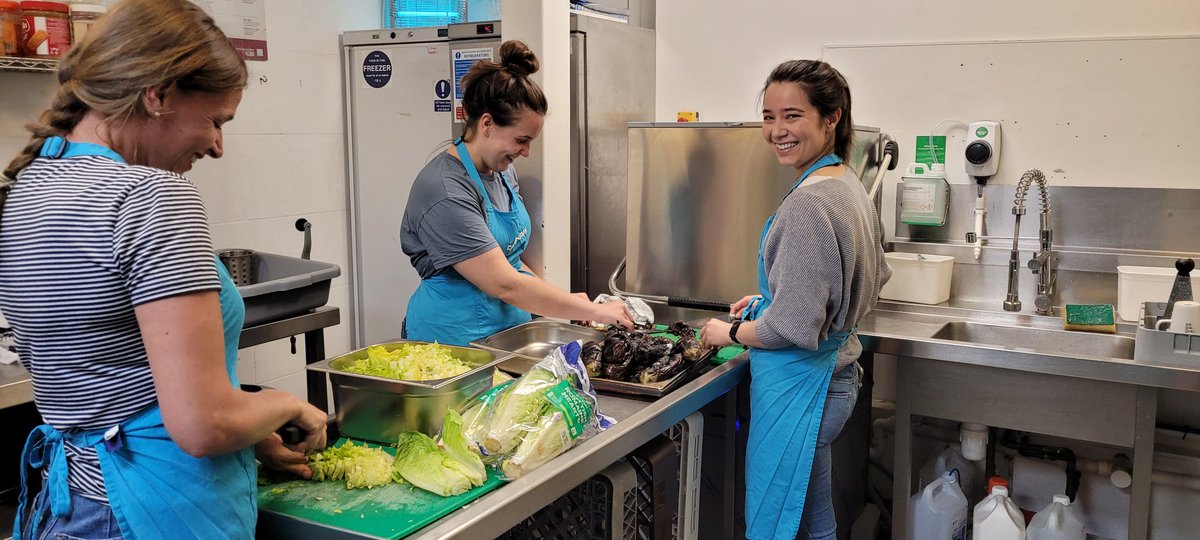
(488, 397)
(575, 409)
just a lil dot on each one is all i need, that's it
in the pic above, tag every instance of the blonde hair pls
(138, 44)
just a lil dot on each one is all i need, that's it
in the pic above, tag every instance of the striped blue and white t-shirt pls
(82, 241)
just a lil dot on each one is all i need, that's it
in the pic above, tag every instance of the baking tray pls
(377, 409)
(529, 343)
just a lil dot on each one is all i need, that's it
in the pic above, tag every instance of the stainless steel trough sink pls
(1039, 340)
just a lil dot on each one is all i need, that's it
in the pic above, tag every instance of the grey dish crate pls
(284, 286)
(1162, 347)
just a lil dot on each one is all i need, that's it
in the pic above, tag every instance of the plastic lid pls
(996, 481)
(999, 490)
(88, 8)
(1062, 499)
(45, 6)
(938, 167)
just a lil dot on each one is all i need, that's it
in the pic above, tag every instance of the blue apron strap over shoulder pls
(787, 401)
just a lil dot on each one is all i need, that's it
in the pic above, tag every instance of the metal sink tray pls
(1039, 339)
(529, 343)
(378, 408)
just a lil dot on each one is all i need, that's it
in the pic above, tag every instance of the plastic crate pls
(688, 437)
(604, 507)
(284, 286)
(657, 466)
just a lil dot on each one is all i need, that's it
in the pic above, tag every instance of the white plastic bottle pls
(1056, 522)
(951, 459)
(924, 195)
(938, 512)
(997, 518)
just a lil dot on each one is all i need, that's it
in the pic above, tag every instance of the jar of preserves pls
(10, 28)
(45, 29)
(83, 17)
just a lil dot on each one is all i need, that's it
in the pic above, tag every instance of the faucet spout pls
(1042, 262)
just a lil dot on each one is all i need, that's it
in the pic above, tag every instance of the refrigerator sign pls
(463, 60)
(377, 69)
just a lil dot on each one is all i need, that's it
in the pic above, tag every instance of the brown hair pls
(827, 90)
(502, 90)
(138, 44)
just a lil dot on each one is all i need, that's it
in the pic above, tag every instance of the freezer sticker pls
(377, 69)
(463, 60)
(441, 105)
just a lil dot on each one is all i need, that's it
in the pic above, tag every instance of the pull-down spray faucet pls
(1042, 262)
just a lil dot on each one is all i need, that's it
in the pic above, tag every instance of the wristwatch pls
(733, 331)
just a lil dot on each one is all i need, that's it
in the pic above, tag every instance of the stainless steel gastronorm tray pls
(378, 408)
(529, 343)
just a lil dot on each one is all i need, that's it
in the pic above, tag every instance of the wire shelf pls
(13, 63)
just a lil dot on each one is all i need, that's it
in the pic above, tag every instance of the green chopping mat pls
(390, 511)
(727, 353)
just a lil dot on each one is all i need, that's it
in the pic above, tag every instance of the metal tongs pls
(674, 301)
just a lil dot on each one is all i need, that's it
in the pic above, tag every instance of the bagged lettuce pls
(542, 414)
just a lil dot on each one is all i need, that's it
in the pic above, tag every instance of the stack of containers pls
(45, 29)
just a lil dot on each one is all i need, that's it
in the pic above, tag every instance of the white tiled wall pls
(284, 159)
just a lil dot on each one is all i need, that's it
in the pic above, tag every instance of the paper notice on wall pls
(244, 21)
(463, 60)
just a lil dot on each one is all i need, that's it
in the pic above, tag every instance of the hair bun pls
(516, 57)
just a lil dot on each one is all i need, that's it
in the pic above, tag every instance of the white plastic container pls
(938, 512)
(1056, 522)
(1137, 284)
(923, 279)
(997, 518)
(924, 195)
(950, 459)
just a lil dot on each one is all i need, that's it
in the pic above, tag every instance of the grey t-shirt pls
(445, 221)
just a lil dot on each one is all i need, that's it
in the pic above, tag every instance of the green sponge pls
(1090, 318)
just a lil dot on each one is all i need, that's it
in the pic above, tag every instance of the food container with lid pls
(45, 29)
(83, 18)
(10, 28)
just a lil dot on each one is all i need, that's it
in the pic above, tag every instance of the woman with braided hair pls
(125, 320)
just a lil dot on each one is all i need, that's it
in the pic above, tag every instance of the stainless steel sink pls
(1039, 340)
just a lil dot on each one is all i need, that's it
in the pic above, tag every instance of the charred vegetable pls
(665, 368)
(690, 348)
(592, 352)
(681, 329)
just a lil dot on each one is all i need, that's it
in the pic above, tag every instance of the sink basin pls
(1060, 342)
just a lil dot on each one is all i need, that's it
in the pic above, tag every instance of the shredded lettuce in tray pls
(410, 362)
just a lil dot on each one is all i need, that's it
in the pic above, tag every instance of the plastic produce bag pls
(524, 423)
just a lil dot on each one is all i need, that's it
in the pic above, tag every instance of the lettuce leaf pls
(454, 444)
(421, 463)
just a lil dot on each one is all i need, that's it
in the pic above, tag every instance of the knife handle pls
(698, 303)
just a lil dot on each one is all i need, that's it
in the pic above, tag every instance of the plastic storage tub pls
(923, 279)
(284, 286)
(1138, 284)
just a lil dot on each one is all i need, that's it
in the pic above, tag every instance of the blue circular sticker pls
(377, 69)
(442, 89)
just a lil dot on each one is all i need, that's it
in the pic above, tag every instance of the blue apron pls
(155, 489)
(448, 308)
(787, 399)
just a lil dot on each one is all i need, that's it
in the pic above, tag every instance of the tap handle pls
(1033, 264)
(1185, 266)
(971, 237)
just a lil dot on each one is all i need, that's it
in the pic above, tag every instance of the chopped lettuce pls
(550, 439)
(420, 462)
(410, 362)
(359, 466)
(518, 411)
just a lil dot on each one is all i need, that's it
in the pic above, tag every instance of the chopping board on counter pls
(307, 509)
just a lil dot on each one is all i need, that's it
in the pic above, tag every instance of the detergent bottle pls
(939, 511)
(997, 518)
(1056, 522)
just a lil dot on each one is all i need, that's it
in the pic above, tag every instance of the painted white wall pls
(714, 55)
(284, 159)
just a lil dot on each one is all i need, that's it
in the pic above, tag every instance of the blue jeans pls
(88, 520)
(819, 521)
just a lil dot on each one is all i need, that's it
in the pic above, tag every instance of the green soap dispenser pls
(924, 195)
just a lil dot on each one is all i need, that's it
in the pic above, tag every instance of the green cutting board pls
(727, 353)
(389, 511)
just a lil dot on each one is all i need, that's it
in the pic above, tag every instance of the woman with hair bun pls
(124, 318)
(466, 226)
